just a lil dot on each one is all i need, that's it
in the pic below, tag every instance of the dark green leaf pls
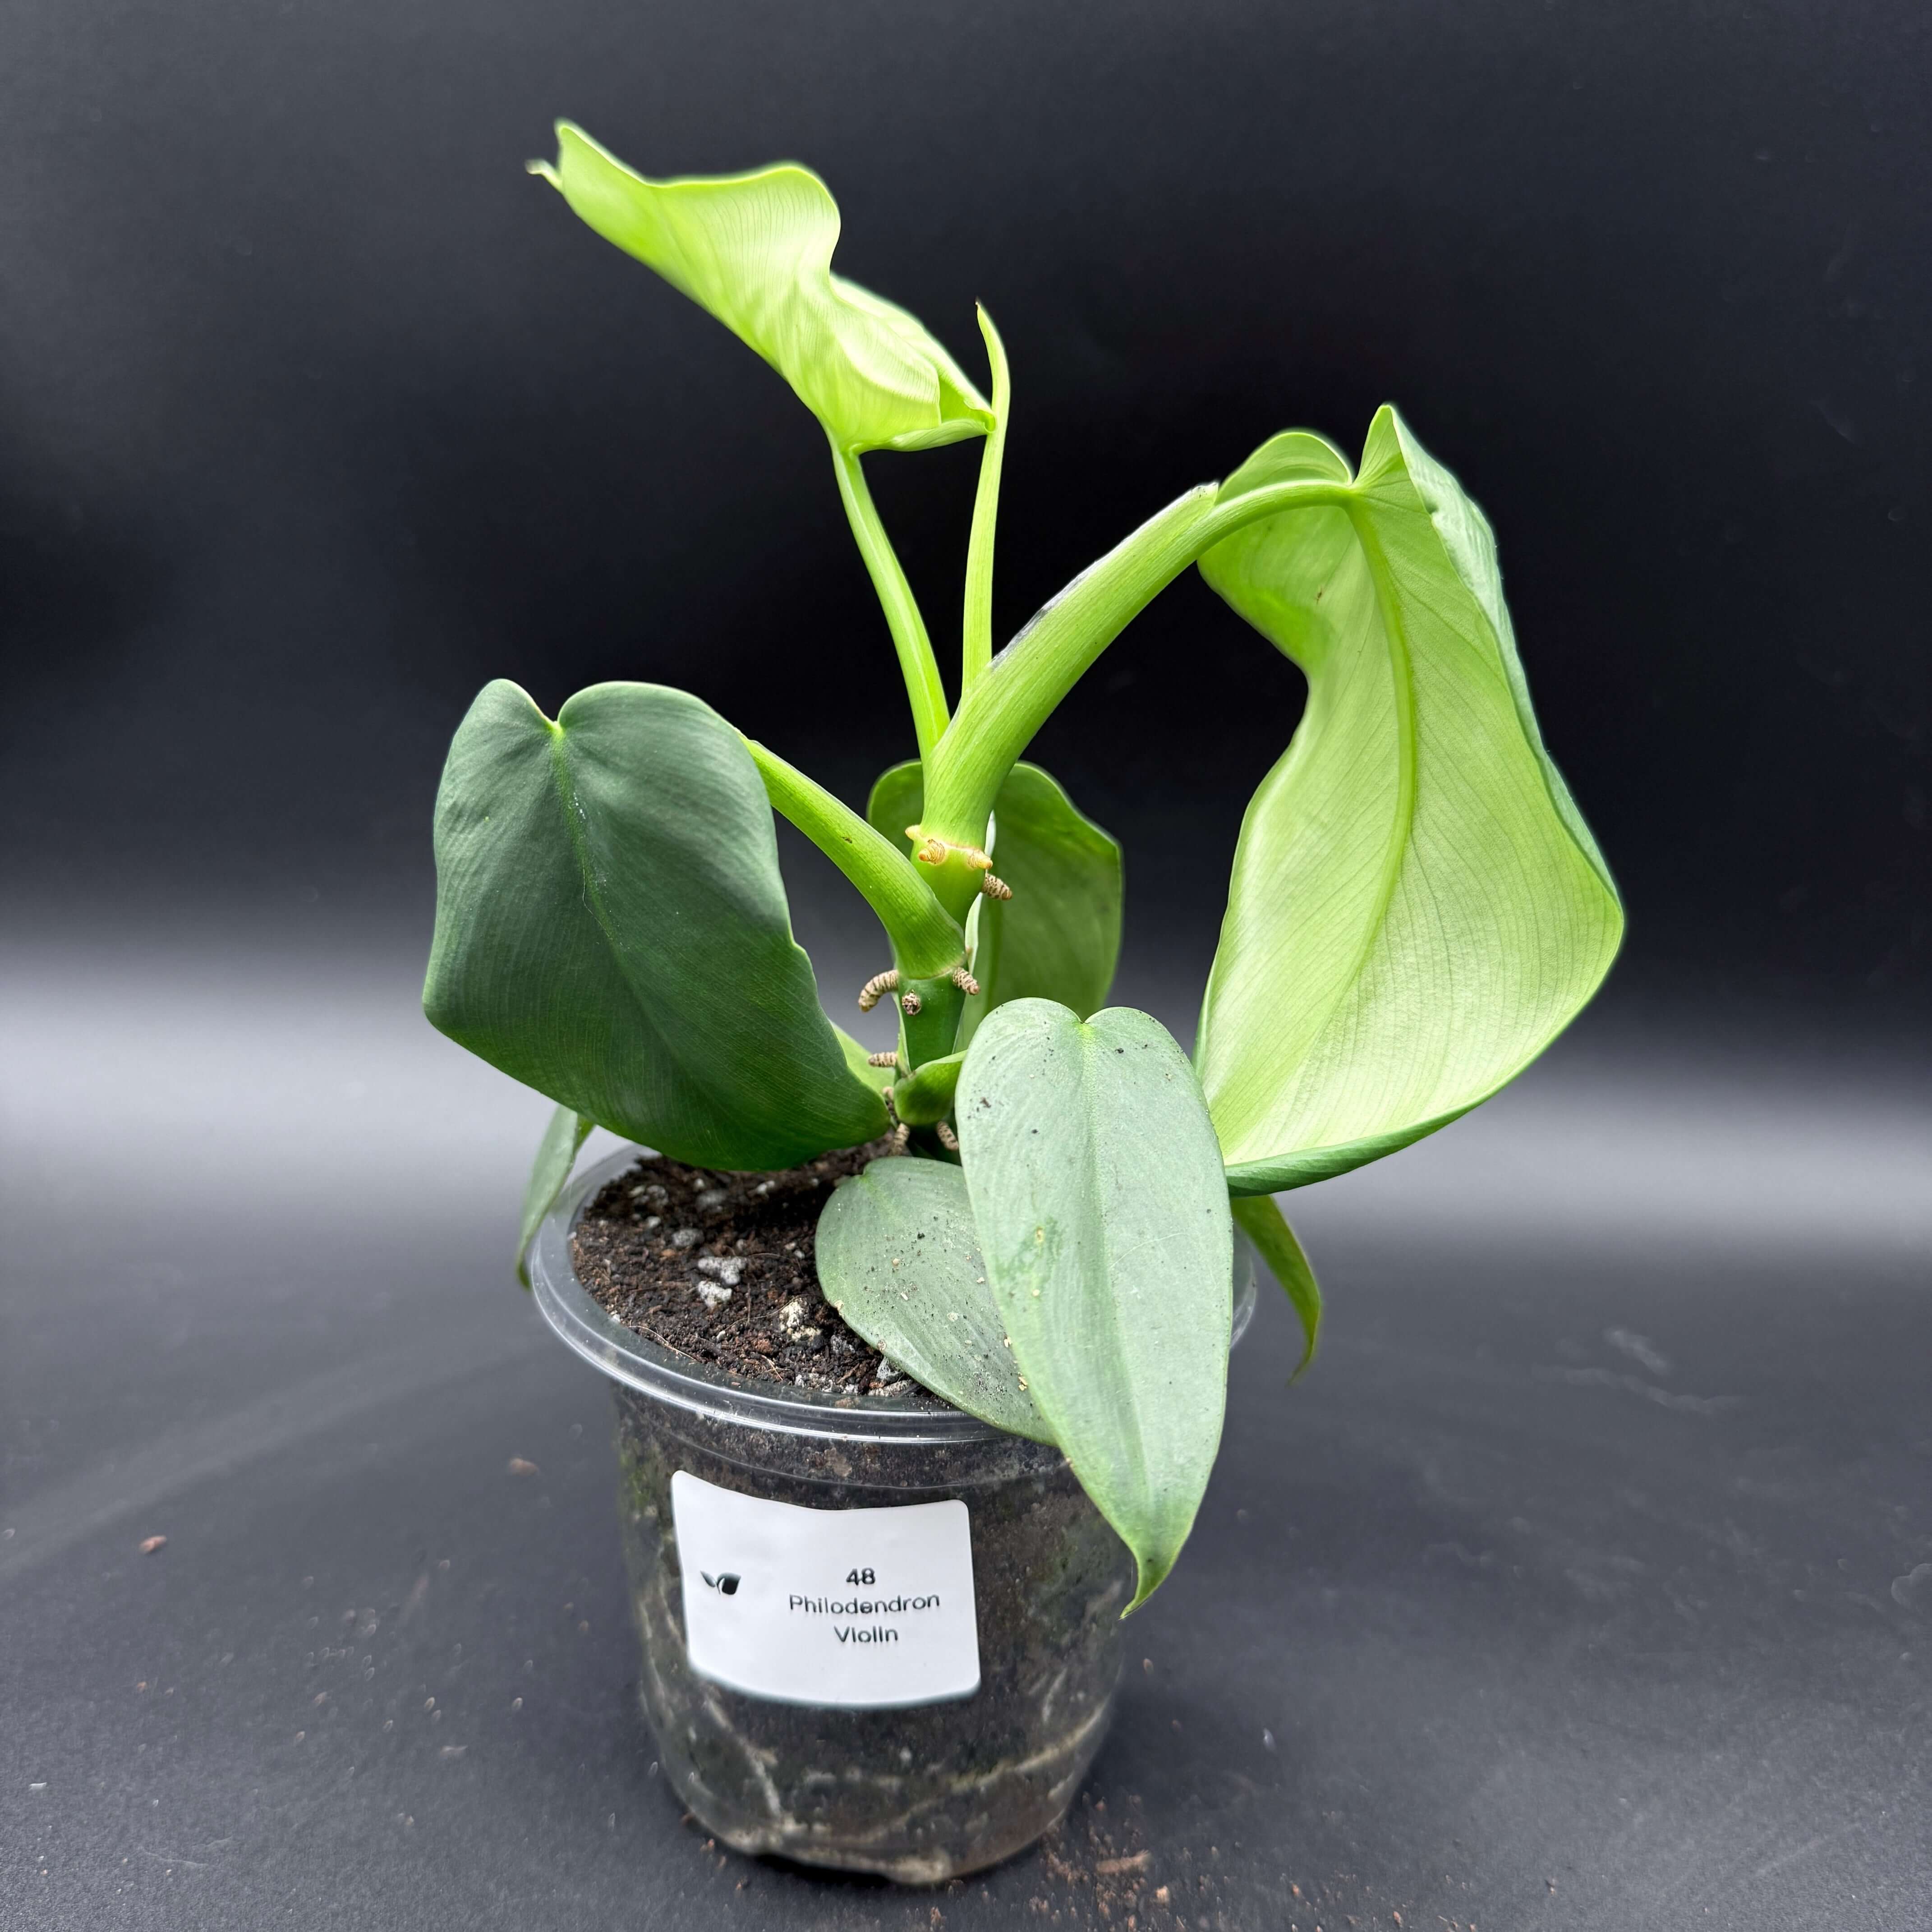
(1058, 937)
(1097, 1189)
(898, 1258)
(611, 929)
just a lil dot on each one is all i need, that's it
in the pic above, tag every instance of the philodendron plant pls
(1416, 907)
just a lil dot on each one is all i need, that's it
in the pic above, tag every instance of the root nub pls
(878, 985)
(964, 981)
(902, 1134)
(909, 1003)
(948, 1139)
(929, 849)
(888, 1058)
(994, 888)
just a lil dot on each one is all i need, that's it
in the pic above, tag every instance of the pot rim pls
(586, 1326)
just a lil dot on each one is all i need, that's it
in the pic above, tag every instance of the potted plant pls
(921, 1356)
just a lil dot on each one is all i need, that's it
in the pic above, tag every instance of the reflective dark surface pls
(1586, 1581)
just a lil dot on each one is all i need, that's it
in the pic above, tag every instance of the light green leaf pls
(898, 1257)
(1263, 1223)
(859, 1063)
(1096, 1187)
(755, 250)
(611, 929)
(557, 1154)
(1417, 908)
(1059, 936)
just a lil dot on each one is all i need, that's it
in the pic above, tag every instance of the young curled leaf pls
(755, 250)
(1418, 908)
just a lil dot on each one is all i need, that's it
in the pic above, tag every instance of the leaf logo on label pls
(727, 1583)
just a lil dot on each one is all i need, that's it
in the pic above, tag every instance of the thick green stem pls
(999, 714)
(930, 1011)
(976, 649)
(926, 938)
(954, 880)
(924, 689)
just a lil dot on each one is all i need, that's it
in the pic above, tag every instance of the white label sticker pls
(844, 1609)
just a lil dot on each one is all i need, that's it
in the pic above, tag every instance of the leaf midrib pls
(573, 819)
(1403, 683)
(1133, 1440)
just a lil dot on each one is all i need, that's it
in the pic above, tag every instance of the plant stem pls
(999, 716)
(930, 1030)
(924, 689)
(927, 940)
(976, 649)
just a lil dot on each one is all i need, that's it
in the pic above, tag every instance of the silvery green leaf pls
(898, 1257)
(1102, 1209)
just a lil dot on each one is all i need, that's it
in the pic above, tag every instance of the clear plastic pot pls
(920, 1790)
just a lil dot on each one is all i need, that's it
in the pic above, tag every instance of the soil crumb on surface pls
(718, 1268)
(1101, 1871)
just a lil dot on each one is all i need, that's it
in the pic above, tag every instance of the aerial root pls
(948, 1139)
(964, 981)
(931, 849)
(902, 1134)
(879, 984)
(888, 1058)
(995, 889)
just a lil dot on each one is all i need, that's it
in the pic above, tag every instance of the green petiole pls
(926, 939)
(925, 691)
(976, 650)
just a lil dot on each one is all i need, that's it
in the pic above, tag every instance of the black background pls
(1585, 1585)
(318, 412)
